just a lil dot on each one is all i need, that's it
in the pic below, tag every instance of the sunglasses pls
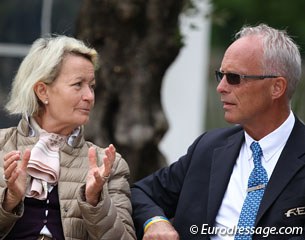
(234, 78)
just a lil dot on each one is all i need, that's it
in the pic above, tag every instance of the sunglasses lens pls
(233, 78)
(219, 76)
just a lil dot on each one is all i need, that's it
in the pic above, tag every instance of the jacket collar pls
(291, 160)
(24, 130)
(220, 175)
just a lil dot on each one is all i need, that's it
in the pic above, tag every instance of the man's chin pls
(230, 119)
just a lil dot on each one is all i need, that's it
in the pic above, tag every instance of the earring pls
(46, 102)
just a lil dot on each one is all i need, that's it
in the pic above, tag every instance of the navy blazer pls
(190, 191)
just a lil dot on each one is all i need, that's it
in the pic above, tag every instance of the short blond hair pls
(43, 63)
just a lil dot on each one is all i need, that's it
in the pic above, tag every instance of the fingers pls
(108, 159)
(12, 168)
(11, 158)
(10, 163)
(25, 159)
(110, 153)
(112, 150)
(10, 154)
(92, 157)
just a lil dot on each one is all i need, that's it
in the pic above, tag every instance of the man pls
(243, 182)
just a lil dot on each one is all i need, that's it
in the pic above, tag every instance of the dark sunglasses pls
(234, 78)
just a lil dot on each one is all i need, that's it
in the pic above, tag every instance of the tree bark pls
(137, 40)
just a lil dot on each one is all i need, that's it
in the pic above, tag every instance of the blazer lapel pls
(287, 166)
(223, 162)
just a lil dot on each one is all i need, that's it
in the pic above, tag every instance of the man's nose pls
(222, 85)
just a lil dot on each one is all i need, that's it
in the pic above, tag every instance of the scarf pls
(43, 166)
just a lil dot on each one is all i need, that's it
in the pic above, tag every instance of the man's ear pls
(40, 89)
(279, 87)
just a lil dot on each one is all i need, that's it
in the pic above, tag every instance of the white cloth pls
(44, 165)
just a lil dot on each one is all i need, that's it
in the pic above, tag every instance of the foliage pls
(230, 16)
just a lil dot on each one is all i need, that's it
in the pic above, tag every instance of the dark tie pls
(256, 186)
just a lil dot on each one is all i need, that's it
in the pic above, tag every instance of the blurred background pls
(156, 88)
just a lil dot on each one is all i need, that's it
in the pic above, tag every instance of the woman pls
(55, 184)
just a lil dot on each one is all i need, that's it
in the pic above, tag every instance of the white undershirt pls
(272, 146)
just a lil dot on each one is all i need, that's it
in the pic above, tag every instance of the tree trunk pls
(137, 40)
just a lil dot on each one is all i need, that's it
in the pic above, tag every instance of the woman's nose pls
(88, 94)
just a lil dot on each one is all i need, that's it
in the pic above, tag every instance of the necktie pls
(256, 186)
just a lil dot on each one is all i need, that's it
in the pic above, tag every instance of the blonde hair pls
(43, 63)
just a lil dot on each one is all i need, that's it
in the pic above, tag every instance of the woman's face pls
(70, 97)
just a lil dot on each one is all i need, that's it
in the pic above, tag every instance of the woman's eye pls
(78, 84)
(93, 86)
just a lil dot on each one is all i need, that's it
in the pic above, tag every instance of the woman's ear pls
(279, 87)
(40, 89)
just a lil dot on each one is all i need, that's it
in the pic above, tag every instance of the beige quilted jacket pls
(110, 219)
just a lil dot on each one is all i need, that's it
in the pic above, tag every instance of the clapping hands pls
(97, 176)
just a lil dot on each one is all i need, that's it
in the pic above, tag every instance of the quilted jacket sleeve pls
(111, 218)
(7, 220)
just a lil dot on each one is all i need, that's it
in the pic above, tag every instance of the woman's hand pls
(97, 176)
(15, 176)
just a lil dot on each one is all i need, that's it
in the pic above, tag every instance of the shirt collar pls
(275, 140)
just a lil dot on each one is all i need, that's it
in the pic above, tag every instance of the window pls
(22, 22)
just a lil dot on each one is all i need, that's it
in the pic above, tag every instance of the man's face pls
(250, 101)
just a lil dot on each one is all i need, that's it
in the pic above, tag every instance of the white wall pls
(183, 91)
